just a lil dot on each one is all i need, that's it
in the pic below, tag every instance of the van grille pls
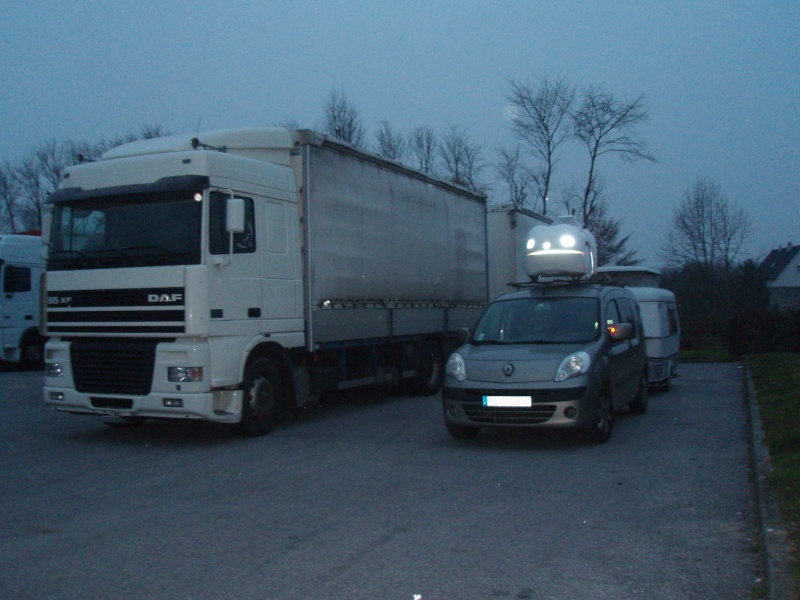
(538, 413)
(101, 367)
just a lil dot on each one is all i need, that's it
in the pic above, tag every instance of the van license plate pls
(507, 401)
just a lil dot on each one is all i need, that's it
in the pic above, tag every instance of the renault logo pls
(508, 370)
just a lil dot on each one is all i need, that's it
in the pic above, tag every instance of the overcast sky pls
(721, 80)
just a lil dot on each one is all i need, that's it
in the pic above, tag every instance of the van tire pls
(639, 404)
(461, 432)
(430, 369)
(262, 402)
(603, 425)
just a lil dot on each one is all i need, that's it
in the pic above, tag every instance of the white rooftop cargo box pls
(564, 248)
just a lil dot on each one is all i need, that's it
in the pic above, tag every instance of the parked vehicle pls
(659, 311)
(241, 275)
(566, 353)
(21, 266)
(662, 333)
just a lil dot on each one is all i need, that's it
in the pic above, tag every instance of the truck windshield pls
(539, 321)
(125, 231)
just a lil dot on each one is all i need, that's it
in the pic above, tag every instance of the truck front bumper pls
(223, 406)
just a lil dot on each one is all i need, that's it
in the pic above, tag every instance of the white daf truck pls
(20, 273)
(236, 276)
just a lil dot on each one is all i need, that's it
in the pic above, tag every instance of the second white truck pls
(239, 275)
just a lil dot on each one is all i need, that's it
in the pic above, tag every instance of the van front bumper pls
(573, 407)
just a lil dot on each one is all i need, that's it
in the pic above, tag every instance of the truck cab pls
(20, 272)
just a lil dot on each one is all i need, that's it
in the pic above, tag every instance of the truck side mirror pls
(234, 215)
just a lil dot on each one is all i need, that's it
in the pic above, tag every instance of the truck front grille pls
(140, 311)
(105, 367)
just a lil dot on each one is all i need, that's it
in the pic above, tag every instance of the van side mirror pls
(234, 215)
(462, 335)
(621, 332)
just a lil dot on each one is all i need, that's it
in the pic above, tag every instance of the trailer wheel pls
(262, 404)
(430, 369)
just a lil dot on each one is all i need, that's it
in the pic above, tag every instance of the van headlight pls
(575, 364)
(455, 367)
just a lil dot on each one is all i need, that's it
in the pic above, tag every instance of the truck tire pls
(262, 404)
(430, 369)
(31, 352)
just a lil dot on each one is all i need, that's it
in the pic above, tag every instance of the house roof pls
(777, 260)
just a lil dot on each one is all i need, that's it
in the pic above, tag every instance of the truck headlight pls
(185, 374)
(455, 367)
(575, 364)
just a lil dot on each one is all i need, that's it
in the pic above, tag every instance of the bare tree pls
(612, 247)
(606, 124)
(422, 148)
(461, 158)
(290, 123)
(540, 119)
(8, 199)
(707, 230)
(37, 175)
(390, 144)
(340, 119)
(514, 175)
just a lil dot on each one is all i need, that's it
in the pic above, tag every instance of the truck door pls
(281, 282)
(235, 277)
(19, 308)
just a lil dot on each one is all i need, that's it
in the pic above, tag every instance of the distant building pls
(781, 269)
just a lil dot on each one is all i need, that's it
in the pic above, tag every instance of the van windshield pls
(539, 321)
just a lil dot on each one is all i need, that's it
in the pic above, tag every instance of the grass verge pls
(776, 377)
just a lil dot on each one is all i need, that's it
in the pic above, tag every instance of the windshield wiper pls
(161, 249)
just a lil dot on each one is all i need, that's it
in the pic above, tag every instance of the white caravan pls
(662, 333)
(21, 265)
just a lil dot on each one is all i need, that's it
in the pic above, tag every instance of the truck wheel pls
(640, 403)
(461, 432)
(600, 431)
(430, 369)
(31, 352)
(262, 404)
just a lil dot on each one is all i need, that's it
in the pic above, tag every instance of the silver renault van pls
(565, 354)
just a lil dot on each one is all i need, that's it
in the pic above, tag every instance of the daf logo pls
(164, 297)
(508, 370)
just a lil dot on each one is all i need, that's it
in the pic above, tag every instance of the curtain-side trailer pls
(238, 275)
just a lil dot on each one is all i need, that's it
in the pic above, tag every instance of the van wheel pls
(430, 369)
(262, 404)
(603, 426)
(639, 404)
(461, 432)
